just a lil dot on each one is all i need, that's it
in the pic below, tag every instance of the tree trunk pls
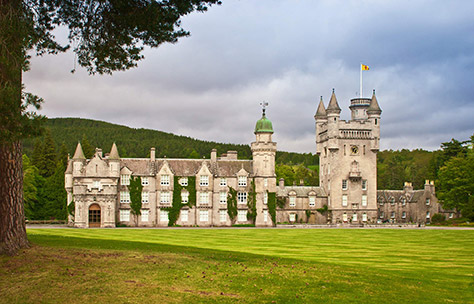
(12, 218)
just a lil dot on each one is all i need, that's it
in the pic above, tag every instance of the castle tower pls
(263, 153)
(348, 159)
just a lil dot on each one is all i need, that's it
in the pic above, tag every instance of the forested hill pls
(137, 142)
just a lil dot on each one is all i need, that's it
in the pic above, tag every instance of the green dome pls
(264, 125)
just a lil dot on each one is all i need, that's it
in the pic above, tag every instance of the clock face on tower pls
(354, 150)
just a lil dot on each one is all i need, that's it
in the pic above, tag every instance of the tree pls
(108, 36)
(87, 148)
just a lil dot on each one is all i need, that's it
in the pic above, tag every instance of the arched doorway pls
(94, 216)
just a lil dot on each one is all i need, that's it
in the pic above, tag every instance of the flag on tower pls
(364, 67)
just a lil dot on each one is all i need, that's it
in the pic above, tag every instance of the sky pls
(288, 53)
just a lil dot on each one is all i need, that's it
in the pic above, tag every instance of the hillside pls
(137, 142)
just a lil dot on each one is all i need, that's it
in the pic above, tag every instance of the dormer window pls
(183, 181)
(145, 181)
(125, 179)
(242, 181)
(204, 180)
(223, 182)
(165, 180)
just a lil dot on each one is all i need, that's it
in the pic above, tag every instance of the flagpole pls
(360, 91)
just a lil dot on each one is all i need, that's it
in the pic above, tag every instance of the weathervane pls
(264, 104)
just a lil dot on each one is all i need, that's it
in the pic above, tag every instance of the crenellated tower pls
(348, 158)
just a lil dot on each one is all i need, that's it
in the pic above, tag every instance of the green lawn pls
(241, 265)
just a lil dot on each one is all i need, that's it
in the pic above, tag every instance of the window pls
(265, 198)
(392, 214)
(344, 184)
(184, 215)
(242, 197)
(124, 197)
(204, 197)
(223, 182)
(242, 215)
(145, 215)
(427, 201)
(292, 201)
(312, 201)
(204, 215)
(223, 197)
(404, 214)
(165, 197)
(145, 197)
(124, 215)
(364, 200)
(354, 217)
(404, 201)
(145, 181)
(292, 217)
(183, 181)
(163, 216)
(364, 217)
(382, 214)
(392, 201)
(204, 180)
(265, 216)
(96, 184)
(451, 215)
(427, 214)
(242, 181)
(184, 197)
(223, 215)
(344, 217)
(364, 184)
(125, 179)
(344, 200)
(265, 182)
(165, 180)
(329, 169)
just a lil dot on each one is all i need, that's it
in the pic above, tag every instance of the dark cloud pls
(209, 85)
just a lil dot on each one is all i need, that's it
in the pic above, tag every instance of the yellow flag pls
(364, 67)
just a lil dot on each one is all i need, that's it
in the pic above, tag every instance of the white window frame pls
(183, 181)
(404, 214)
(354, 217)
(404, 201)
(344, 184)
(184, 215)
(164, 216)
(265, 182)
(364, 184)
(223, 182)
(364, 200)
(203, 180)
(223, 216)
(428, 214)
(292, 217)
(265, 216)
(312, 201)
(125, 179)
(242, 215)
(382, 214)
(241, 197)
(428, 202)
(344, 217)
(364, 217)
(242, 181)
(165, 197)
(344, 200)
(96, 184)
(165, 180)
(292, 201)
(204, 198)
(145, 181)
(265, 198)
(204, 215)
(392, 214)
(451, 215)
(145, 197)
(184, 197)
(125, 197)
(145, 215)
(223, 197)
(124, 215)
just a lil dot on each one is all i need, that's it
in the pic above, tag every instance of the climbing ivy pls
(135, 189)
(71, 208)
(177, 205)
(232, 203)
(251, 203)
(281, 201)
(323, 210)
(308, 215)
(272, 206)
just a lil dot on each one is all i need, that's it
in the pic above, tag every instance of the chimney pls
(301, 182)
(99, 152)
(231, 155)
(428, 186)
(281, 183)
(408, 187)
(152, 154)
(213, 155)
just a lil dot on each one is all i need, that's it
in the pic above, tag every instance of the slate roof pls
(411, 196)
(300, 190)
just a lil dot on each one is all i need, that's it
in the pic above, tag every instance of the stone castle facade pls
(224, 190)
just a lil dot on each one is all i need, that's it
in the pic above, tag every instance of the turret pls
(359, 108)
(114, 161)
(78, 160)
(333, 112)
(374, 113)
(321, 118)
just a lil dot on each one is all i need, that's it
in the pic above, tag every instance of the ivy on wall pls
(232, 203)
(177, 204)
(272, 206)
(281, 202)
(135, 189)
(71, 208)
(308, 215)
(251, 203)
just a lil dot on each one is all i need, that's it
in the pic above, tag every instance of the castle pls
(224, 190)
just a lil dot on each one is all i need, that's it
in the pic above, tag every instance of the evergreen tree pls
(87, 148)
(30, 187)
(48, 166)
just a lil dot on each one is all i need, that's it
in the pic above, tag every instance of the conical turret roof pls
(79, 154)
(114, 152)
(321, 112)
(333, 106)
(374, 107)
(69, 166)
